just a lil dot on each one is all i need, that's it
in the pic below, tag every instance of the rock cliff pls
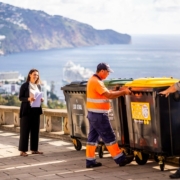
(26, 30)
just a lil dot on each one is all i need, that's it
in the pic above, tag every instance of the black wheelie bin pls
(153, 120)
(75, 97)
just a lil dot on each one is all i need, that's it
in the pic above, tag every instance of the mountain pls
(26, 30)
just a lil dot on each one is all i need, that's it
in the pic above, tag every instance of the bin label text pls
(141, 111)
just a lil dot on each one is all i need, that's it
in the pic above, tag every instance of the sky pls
(124, 16)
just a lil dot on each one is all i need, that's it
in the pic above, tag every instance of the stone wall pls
(52, 120)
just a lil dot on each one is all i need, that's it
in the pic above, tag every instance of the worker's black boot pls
(176, 175)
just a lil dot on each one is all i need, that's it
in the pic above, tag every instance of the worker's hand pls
(165, 93)
(126, 90)
(122, 88)
(31, 99)
(42, 99)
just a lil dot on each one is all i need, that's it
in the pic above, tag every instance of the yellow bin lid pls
(152, 82)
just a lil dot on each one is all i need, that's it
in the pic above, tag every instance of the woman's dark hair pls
(30, 72)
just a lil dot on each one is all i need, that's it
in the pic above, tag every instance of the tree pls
(12, 101)
(3, 101)
(52, 96)
(55, 104)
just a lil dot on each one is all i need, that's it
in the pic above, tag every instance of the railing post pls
(16, 119)
(48, 124)
(2, 117)
(66, 126)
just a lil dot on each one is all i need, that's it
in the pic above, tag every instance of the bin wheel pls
(77, 144)
(100, 151)
(144, 159)
(162, 166)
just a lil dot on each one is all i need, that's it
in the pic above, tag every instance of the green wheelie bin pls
(153, 120)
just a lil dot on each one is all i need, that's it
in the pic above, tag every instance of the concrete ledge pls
(11, 128)
(173, 159)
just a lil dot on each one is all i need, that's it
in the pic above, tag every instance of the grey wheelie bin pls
(153, 120)
(75, 97)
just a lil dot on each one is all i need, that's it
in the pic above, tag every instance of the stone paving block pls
(118, 173)
(12, 171)
(3, 175)
(45, 173)
(104, 170)
(49, 177)
(107, 175)
(137, 176)
(32, 170)
(1, 163)
(61, 161)
(49, 168)
(45, 140)
(53, 177)
(22, 176)
(44, 158)
(7, 134)
(78, 178)
(16, 137)
(88, 173)
(113, 178)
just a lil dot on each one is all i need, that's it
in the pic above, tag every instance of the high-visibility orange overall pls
(98, 106)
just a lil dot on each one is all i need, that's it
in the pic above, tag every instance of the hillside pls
(26, 30)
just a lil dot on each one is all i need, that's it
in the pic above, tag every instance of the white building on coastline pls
(11, 77)
(9, 89)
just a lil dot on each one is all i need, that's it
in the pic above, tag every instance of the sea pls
(146, 56)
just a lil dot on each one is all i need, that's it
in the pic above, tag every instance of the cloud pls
(125, 16)
(167, 5)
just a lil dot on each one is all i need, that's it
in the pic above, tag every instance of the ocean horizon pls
(146, 56)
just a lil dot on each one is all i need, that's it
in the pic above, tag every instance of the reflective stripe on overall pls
(100, 126)
(96, 101)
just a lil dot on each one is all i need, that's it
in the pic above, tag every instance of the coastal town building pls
(11, 77)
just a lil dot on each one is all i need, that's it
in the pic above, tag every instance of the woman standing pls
(29, 116)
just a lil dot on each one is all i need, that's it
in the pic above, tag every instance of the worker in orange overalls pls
(98, 106)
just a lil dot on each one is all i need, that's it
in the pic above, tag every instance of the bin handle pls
(175, 96)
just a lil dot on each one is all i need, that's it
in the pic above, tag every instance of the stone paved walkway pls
(61, 161)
